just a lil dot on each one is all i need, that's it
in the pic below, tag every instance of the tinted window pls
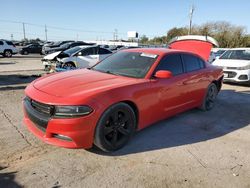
(104, 51)
(171, 63)
(9, 43)
(191, 62)
(1, 42)
(201, 62)
(88, 51)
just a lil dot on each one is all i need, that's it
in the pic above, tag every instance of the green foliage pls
(227, 34)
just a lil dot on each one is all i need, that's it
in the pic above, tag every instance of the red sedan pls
(128, 91)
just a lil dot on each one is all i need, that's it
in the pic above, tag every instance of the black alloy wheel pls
(210, 98)
(115, 127)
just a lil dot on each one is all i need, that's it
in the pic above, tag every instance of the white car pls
(236, 65)
(83, 57)
(7, 48)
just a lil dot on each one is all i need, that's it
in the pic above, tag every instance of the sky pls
(98, 19)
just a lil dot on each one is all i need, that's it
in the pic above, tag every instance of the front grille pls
(230, 74)
(38, 113)
(42, 108)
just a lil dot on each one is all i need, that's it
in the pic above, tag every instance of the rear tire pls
(7, 53)
(25, 53)
(210, 97)
(115, 127)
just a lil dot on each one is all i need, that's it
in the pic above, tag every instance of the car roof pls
(156, 51)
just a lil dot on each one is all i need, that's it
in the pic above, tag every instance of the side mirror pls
(163, 74)
(79, 54)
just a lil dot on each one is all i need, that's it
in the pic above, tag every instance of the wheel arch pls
(218, 83)
(8, 50)
(70, 62)
(135, 109)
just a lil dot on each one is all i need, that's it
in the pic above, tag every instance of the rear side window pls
(9, 43)
(88, 51)
(104, 51)
(192, 63)
(1, 42)
(171, 63)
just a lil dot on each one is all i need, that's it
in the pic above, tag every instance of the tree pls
(144, 39)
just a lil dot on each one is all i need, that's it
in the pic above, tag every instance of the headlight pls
(72, 111)
(243, 68)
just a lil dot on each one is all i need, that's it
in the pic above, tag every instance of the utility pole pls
(115, 35)
(190, 19)
(11, 36)
(46, 37)
(24, 36)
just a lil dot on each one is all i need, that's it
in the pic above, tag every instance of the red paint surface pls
(201, 48)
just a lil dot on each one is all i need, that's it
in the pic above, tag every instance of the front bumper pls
(68, 133)
(231, 75)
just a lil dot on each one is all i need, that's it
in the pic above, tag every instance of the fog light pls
(62, 137)
(243, 77)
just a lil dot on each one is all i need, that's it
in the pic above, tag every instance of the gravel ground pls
(193, 149)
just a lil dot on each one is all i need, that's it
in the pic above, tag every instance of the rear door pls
(196, 78)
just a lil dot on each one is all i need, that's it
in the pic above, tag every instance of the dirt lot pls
(193, 149)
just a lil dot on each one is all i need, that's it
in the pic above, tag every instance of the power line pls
(60, 28)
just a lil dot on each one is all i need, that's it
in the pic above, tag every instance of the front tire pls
(115, 127)
(210, 97)
(69, 66)
(7, 53)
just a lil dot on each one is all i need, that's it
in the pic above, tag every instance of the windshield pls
(72, 50)
(131, 64)
(219, 52)
(236, 54)
(66, 45)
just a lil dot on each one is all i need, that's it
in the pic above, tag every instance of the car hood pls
(52, 55)
(231, 63)
(80, 82)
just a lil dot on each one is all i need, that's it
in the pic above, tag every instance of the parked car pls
(236, 65)
(47, 46)
(71, 58)
(66, 46)
(115, 47)
(32, 48)
(7, 48)
(82, 57)
(127, 91)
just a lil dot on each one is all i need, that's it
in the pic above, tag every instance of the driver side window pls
(171, 63)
